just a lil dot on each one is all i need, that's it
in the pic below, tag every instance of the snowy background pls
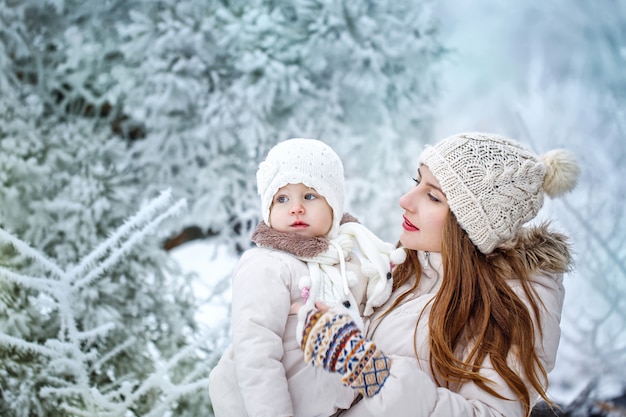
(125, 122)
(508, 69)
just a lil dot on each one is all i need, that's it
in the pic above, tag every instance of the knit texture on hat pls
(307, 161)
(494, 185)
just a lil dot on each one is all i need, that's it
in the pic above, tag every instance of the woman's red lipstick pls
(408, 226)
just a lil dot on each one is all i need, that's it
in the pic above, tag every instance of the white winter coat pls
(410, 390)
(263, 373)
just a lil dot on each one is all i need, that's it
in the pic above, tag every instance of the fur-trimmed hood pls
(542, 249)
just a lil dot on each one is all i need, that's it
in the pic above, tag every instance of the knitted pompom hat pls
(307, 161)
(494, 185)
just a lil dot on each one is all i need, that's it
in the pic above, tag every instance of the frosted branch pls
(11, 341)
(70, 360)
(95, 333)
(30, 252)
(39, 284)
(141, 217)
(116, 351)
(137, 236)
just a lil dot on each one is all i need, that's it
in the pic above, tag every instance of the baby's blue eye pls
(281, 199)
(310, 197)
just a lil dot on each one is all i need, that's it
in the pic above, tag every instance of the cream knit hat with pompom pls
(494, 185)
(307, 161)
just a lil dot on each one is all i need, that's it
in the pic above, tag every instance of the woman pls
(472, 326)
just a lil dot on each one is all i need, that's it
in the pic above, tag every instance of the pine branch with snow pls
(70, 358)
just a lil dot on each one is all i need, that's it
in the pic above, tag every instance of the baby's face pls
(299, 209)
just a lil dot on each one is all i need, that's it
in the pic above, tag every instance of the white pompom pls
(398, 256)
(562, 172)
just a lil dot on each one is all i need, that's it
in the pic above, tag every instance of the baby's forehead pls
(296, 186)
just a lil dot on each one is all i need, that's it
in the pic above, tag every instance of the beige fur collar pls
(298, 245)
(542, 249)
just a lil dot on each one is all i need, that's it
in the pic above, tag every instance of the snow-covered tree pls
(201, 90)
(72, 368)
(63, 190)
(66, 183)
(218, 83)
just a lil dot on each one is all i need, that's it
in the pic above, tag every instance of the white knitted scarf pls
(328, 280)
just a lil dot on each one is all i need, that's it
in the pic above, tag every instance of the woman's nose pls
(405, 201)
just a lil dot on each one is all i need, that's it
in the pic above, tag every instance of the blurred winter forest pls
(130, 126)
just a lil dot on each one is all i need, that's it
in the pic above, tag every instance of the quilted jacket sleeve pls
(260, 306)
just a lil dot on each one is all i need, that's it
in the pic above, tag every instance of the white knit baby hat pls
(307, 161)
(494, 185)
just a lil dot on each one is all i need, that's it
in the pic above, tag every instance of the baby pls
(305, 252)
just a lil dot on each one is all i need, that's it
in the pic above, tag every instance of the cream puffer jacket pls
(263, 373)
(410, 390)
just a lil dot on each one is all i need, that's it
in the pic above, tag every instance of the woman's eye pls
(416, 181)
(433, 198)
(310, 197)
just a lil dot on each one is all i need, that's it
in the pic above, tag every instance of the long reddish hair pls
(476, 315)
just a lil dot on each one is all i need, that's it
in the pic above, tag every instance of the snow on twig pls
(70, 356)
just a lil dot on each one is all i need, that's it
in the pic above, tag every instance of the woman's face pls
(425, 211)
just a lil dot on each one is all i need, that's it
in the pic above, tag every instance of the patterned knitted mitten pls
(333, 341)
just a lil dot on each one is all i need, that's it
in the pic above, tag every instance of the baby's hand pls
(332, 341)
